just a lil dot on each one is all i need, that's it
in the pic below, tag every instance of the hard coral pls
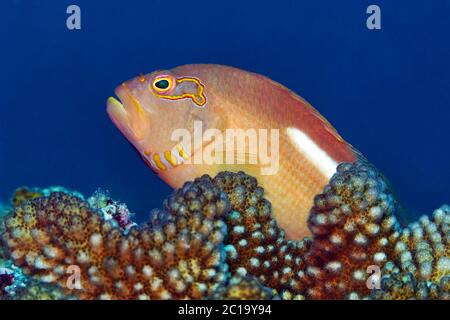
(256, 245)
(184, 258)
(353, 228)
(420, 264)
(243, 288)
(403, 286)
(217, 238)
(35, 290)
(353, 224)
(423, 248)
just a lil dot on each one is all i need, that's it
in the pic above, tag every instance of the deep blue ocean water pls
(386, 91)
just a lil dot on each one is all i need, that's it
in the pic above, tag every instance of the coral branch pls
(182, 258)
(216, 238)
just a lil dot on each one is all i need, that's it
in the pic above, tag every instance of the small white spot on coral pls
(48, 278)
(443, 265)
(241, 271)
(359, 275)
(379, 257)
(82, 257)
(148, 271)
(130, 270)
(138, 286)
(105, 296)
(96, 239)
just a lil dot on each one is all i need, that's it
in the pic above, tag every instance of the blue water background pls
(386, 91)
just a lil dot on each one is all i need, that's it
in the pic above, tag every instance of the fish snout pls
(128, 113)
(116, 112)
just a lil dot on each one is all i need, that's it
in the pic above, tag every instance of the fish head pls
(154, 109)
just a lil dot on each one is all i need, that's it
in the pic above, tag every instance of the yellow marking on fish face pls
(158, 162)
(141, 78)
(167, 159)
(170, 158)
(181, 152)
(134, 101)
(198, 98)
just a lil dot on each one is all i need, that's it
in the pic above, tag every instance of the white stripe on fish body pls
(312, 151)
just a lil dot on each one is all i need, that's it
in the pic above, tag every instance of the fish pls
(201, 119)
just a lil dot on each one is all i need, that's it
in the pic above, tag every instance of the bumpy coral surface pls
(256, 245)
(352, 222)
(420, 264)
(243, 288)
(182, 258)
(216, 238)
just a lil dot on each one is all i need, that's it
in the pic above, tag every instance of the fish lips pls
(117, 113)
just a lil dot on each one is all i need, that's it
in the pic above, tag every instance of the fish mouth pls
(127, 114)
(117, 112)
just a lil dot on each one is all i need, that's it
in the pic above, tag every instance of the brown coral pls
(352, 223)
(404, 286)
(36, 290)
(182, 258)
(423, 248)
(210, 225)
(243, 288)
(353, 227)
(420, 265)
(256, 245)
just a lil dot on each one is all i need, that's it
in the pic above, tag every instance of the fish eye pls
(162, 84)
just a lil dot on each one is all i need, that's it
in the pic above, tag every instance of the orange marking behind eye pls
(198, 98)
